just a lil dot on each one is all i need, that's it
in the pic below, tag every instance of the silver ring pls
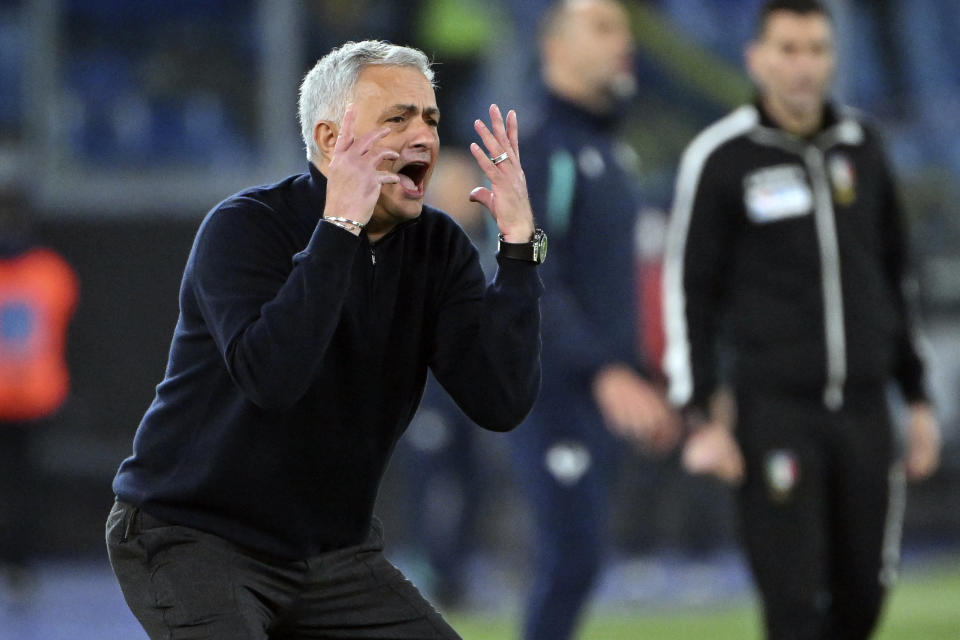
(500, 158)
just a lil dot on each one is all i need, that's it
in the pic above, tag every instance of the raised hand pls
(353, 180)
(507, 198)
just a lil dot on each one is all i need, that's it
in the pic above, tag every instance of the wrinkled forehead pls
(390, 79)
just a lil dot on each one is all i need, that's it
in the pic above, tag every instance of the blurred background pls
(122, 122)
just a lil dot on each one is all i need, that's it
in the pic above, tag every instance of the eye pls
(788, 48)
(820, 49)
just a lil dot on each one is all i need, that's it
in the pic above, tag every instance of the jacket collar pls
(830, 117)
(316, 190)
(837, 127)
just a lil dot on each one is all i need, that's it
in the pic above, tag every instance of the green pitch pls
(923, 606)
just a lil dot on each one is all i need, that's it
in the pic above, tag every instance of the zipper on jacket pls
(372, 246)
(825, 219)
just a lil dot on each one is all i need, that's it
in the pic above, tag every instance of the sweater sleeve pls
(695, 266)
(487, 348)
(272, 315)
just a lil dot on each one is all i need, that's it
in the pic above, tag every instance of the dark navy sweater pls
(299, 358)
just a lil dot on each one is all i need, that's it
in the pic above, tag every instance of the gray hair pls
(326, 89)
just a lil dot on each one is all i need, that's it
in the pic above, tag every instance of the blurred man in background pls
(788, 248)
(38, 293)
(596, 388)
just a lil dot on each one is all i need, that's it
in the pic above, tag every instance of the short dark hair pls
(552, 17)
(802, 7)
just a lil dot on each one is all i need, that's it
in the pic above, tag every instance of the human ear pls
(325, 135)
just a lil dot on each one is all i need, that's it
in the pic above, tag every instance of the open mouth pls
(411, 177)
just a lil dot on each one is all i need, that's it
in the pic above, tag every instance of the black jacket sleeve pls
(696, 264)
(487, 348)
(908, 366)
(272, 315)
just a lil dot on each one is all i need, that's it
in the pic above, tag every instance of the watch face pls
(540, 244)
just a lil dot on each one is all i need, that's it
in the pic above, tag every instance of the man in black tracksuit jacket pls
(310, 311)
(787, 247)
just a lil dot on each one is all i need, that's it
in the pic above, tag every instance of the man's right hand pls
(633, 409)
(353, 180)
(712, 450)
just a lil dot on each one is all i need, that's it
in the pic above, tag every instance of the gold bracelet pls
(344, 221)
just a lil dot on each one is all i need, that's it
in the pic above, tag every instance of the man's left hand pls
(507, 198)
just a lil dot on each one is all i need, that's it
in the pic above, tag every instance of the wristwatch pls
(534, 251)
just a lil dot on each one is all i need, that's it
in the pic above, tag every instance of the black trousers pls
(182, 583)
(20, 484)
(821, 511)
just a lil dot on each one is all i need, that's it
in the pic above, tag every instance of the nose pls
(423, 135)
(809, 60)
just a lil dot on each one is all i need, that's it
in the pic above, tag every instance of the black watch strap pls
(533, 251)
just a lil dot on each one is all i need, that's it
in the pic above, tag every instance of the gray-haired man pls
(309, 312)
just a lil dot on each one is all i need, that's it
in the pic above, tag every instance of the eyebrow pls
(410, 109)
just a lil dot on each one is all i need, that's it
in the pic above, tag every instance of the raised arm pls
(487, 352)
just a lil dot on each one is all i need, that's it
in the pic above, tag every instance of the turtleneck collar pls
(317, 192)
(559, 105)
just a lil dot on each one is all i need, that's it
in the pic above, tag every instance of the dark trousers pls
(19, 493)
(564, 460)
(182, 583)
(821, 511)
